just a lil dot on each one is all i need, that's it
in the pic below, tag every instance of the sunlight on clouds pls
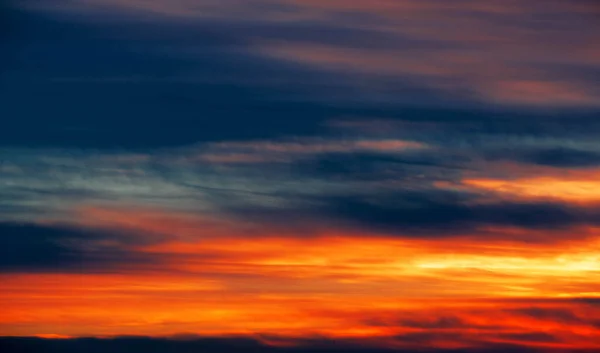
(215, 280)
(468, 221)
(572, 190)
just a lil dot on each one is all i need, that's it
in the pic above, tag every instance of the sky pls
(300, 176)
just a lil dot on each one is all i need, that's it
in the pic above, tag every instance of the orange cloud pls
(216, 278)
(569, 188)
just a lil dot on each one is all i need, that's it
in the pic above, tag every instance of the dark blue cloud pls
(46, 248)
(362, 166)
(429, 213)
(136, 84)
(555, 157)
(422, 213)
(98, 82)
(246, 345)
(79, 85)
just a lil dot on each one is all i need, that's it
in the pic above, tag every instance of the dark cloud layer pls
(153, 138)
(554, 157)
(141, 98)
(241, 345)
(48, 248)
(430, 213)
(157, 83)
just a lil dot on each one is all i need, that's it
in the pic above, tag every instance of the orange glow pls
(335, 283)
(407, 174)
(571, 189)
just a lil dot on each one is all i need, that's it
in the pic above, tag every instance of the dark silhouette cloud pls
(210, 121)
(48, 248)
(445, 216)
(430, 213)
(141, 96)
(560, 157)
(241, 345)
(381, 167)
(157, 83)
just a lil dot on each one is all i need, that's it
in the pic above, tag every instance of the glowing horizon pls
(299, 175)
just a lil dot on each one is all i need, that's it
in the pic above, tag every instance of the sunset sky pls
(300, 176)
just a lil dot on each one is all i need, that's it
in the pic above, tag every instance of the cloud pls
(428, 213)
(256, 152)
(50, 248)
(336, 282)
(519, 68)
(326, 175)
(241, 344)
(560, 157)
(550, 188)
(399, 186)
(217, 76)
(123, 71)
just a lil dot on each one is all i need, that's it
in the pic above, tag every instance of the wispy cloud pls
(505, 53)
(286, 175)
